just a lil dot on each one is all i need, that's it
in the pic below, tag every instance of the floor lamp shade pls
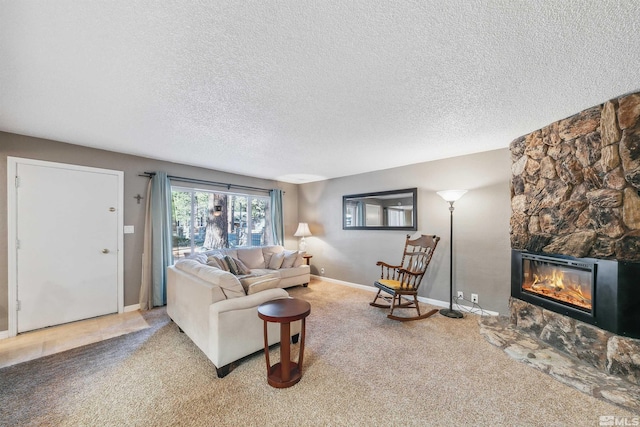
(451, 196)
(302, 231)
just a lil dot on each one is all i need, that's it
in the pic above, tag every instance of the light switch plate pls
(128, 229)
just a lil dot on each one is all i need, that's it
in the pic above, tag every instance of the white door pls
(67, 231)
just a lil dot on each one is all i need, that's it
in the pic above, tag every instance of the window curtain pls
(277, 220)
(157, 254)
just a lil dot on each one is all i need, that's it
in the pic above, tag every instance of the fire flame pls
(554, 284)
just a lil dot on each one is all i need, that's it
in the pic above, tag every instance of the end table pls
(284, 311)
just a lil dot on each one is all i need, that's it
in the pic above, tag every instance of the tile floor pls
(43, 342)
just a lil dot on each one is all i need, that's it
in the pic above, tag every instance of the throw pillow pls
(276, 261)
(299, 260)
(242, 268)
(213, 262)
(267, 259)
(233, 268)
(289, 259)
(223, 264)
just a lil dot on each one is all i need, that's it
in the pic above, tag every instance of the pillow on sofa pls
(276, 261)
(299, 260)
(222, 264)
(236, 267)
(289, 259)
(215, 262)
(267, 259)
(242, 268)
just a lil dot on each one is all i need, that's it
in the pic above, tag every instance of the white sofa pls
(217, 309)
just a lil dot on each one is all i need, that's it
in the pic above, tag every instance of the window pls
(204, 220)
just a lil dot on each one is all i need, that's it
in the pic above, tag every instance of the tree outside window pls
(204, 220)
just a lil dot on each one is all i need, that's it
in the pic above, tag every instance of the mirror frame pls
(412, 192)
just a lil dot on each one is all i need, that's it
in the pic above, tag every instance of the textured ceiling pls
(306, 90)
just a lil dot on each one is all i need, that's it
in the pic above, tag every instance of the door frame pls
(12, 167)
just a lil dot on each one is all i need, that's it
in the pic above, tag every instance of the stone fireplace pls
(575, 236)
(574, 186)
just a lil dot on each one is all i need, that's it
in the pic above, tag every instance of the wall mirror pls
(383, 210)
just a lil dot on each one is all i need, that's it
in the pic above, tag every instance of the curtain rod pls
(202, 181)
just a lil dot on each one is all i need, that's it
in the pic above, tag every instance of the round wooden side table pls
(284, 311)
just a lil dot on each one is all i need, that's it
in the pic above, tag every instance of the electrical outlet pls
(460, 294)
(474, 298)
(322, 270)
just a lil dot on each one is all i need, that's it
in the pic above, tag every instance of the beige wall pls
(40, 149)
(481, 226)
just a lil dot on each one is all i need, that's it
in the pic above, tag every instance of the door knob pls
(105, 251)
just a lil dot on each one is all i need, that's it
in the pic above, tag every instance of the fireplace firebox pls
(604, 293)
(564, 281)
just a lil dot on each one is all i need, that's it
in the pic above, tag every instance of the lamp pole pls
(451, 196)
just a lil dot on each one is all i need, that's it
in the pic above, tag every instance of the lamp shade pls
(451, 195)
(303, 230)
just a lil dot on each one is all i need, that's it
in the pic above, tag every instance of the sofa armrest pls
(249, 301)
(236, 330)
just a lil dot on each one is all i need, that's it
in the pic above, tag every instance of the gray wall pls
(481, 226)
(40, 149)
(481, 217)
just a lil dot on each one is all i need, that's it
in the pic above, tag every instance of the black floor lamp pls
(451, 196)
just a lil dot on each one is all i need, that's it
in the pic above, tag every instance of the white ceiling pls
(305, 90)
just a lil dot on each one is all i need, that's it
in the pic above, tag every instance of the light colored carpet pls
(360, 368)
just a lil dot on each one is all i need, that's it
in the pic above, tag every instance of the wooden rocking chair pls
(401, 282)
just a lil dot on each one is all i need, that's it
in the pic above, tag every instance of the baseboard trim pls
(437, 303)
(129, 308)
(4, 335)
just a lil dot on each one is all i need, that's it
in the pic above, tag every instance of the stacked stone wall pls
(575, 184)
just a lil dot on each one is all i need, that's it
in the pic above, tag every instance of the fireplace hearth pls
(604, 293)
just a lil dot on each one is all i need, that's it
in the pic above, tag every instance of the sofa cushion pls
(273, 249)
(264, 284)
(289, 259)
(251, 257)
(264, 271)
(253, 283)
(276, 261)
(232, 252)
(292, 272)
(200, 257)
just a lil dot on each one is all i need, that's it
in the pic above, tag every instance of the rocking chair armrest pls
(384, 264)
